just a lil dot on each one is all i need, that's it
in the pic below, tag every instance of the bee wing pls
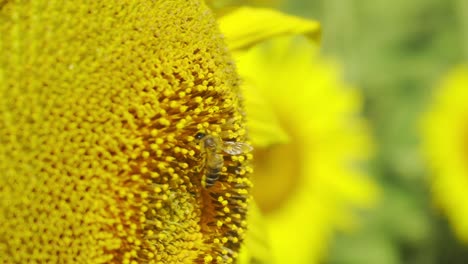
(236, 148)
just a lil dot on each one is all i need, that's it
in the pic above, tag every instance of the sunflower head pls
(100, 103)
(445, 145)
(308, 175)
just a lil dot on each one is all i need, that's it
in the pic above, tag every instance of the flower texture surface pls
(307, 178)
(100, 103)
(445, 146)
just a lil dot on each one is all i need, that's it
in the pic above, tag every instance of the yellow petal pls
(246, 26)
(444, 144)
(263, 125)
(256, 248)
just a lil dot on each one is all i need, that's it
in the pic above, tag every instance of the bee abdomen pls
(212, 176)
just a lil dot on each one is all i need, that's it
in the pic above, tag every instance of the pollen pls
(208, 259)
(99, 105)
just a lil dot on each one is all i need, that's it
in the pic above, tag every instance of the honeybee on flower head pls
(213, 147)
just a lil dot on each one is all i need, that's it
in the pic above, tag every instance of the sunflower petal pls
(256, 248)
(246, 26)
(263, 125)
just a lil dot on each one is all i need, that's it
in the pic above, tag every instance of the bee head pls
(200, 135)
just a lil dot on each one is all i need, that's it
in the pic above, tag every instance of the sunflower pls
(102, 108)
(308, 136)
(445, 145)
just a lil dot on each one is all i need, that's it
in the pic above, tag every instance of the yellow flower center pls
(100, 102)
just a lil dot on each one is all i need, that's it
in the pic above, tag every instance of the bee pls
(213, 147)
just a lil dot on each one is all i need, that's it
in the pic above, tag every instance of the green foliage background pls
(396, 52)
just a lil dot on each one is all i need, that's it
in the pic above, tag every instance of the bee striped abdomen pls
(212, 175)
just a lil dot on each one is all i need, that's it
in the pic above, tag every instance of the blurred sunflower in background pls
(307, 181)
(445, 145)
(310, 141)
